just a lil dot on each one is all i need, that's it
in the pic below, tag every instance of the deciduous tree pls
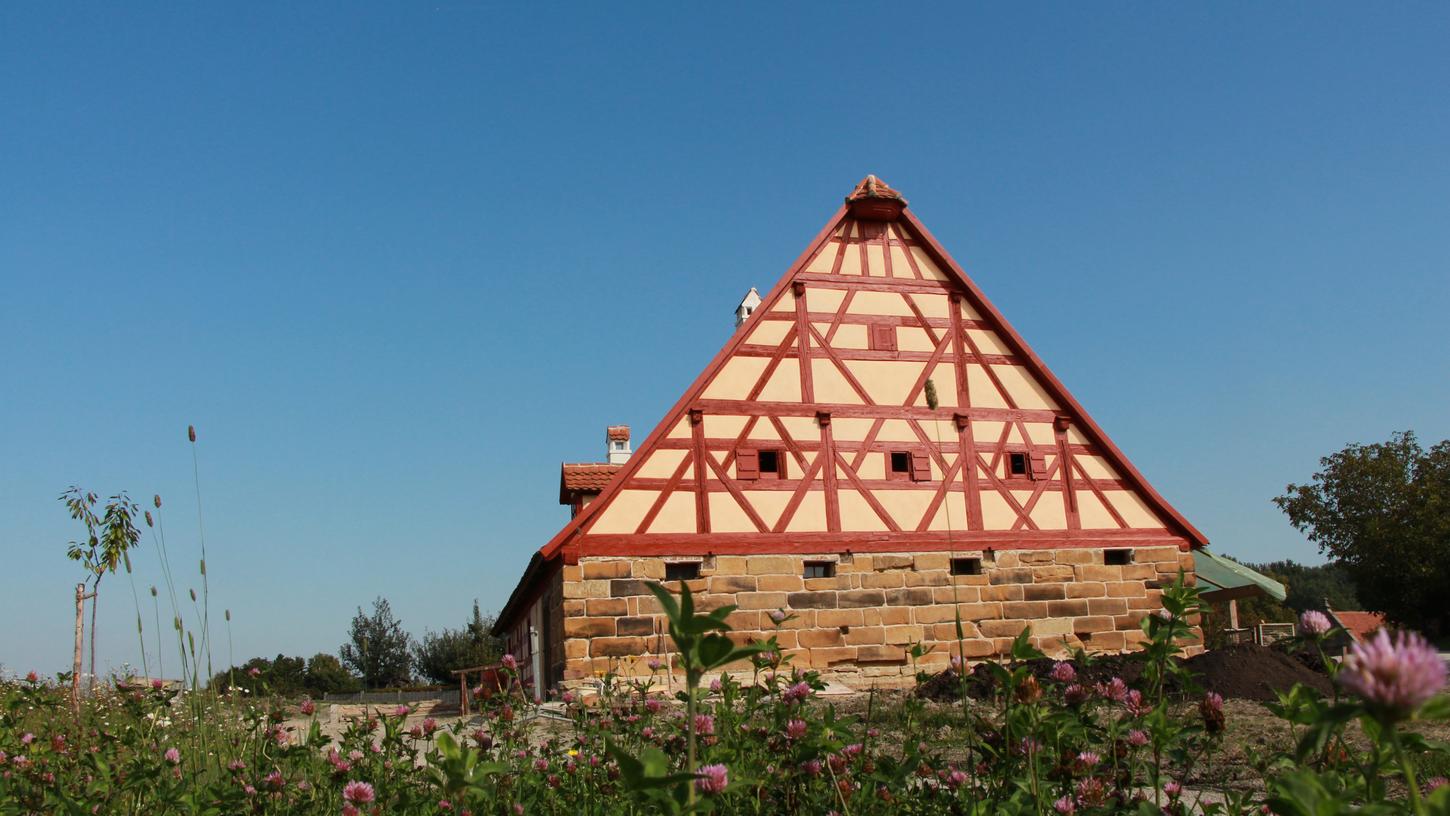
(1383, 510)
(378, 650)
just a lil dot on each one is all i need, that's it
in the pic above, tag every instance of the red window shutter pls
(920, 467)
(1038, 467)
(883, 338)
(747, 464)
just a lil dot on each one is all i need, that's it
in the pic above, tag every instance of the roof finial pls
(874, 200)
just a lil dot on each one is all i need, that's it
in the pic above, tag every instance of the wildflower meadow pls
(756, 739)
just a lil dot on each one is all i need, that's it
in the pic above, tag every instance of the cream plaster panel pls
(1023, 388)
(726, 515)
(851, 429)
(986, 432)
(906, 507)
(849, 336)
(851, 261)
(1022, 496)
(830, 386)
(847, 230)
(724, 426)
(944, 376)
(887, 381)
(900, 266)
(677, 515)
(997, 514)
(879, 303)
(951, 515)
(735, 379)
(819, 327)
(768, 504)
(1050, 513)
(940, 430)
(824, 300)
(769, 332)
(927, 266)
(801, 429)
(1133, 509)
(988, 342)
(1095, 467)
(825, 259)
(784, 384)
(1076, 437)
(661, 464)
(763, 431)
(1092, 514)
(984, 393)
(1041, 433)
(895, 430)
(681, 430)
(810, 516)
(856, 514)
(932, 305)
(624, 514)
(913, 338)
(873, 466)
(875, 261)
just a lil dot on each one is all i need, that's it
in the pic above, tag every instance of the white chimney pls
(616, 444)
(747, 305)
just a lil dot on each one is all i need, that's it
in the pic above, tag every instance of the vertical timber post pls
(75, 680)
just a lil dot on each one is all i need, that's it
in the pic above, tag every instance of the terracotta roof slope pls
(872, 187)
(1359, 625)
(585, 477)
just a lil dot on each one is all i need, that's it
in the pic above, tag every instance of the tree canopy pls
(438, 655)
(1383, 510)
(378, 650)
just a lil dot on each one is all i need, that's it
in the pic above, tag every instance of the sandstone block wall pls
(859, 624)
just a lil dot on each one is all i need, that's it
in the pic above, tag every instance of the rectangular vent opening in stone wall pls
(1118, 558)
(682, 570)
(820, 569)
(966, 566)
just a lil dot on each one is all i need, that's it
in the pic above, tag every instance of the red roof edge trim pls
(1050, 380)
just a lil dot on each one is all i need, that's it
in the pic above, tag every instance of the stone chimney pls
(616, 444)
(747, 305)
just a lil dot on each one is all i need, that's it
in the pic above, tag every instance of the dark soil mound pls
(1243, 672)
(1248, 671)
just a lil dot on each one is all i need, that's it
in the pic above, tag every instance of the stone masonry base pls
(858, 625)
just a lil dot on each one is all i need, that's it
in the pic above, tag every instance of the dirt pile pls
(1240, 672)
(1248, 671)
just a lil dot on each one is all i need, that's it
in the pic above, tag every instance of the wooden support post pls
(75, 680)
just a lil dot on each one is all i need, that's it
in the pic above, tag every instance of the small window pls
(883, 338)
(771, 465)
(618, 444)
(820, 569)
(899, 465)
(966, 566)
(1016, 464)
(1117, 558)
(682, 570)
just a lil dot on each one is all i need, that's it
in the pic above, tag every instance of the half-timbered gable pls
(873, 402)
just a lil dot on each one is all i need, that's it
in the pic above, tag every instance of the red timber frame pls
(951, 342)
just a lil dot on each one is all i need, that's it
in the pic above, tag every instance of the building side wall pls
(860, 623)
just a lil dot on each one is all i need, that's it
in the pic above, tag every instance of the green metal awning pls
(1224, 579)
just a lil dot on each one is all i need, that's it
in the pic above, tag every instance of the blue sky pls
(396, 263)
